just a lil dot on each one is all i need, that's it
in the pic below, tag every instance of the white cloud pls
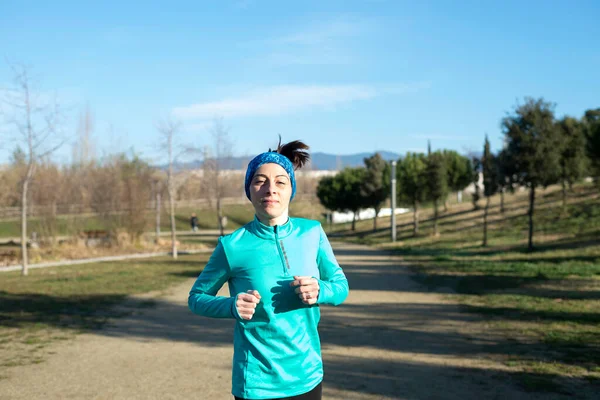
(325, 42)
(278, 100)
(338, 28)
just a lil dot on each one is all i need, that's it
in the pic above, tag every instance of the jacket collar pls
(271, 232)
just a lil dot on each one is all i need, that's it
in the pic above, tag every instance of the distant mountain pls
(319, 161)
(325, 161)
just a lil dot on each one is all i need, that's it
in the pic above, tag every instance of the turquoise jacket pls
(278, 352)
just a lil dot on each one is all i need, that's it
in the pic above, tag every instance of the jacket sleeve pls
(333, 283)
(202, 299)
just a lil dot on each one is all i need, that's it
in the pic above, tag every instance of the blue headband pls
(268, 158)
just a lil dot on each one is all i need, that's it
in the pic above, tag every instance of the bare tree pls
(35, 124)
(136, 176)
(168, 130)
(83, 149)
(215, 160)
(80, 186)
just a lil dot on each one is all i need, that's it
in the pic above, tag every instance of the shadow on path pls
(391, 339)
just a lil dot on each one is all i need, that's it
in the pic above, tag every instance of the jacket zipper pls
(282, 252)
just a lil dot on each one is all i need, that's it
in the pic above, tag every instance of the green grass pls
(10, 228)
(65, 225)
(52, 304)
(546, 302)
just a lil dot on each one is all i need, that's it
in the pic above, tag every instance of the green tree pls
(350, 183)
(412, 183)
(573, 160)
(489, 168)
(591, 121)
(534, 145)
(375, 188)
(459, 170)
(342, 192)
(437, 182)
(326, 193)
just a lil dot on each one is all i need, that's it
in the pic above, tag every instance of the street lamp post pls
(393, 197)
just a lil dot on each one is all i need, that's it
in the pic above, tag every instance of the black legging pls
(314, 394)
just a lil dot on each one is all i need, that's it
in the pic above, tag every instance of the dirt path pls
(390, 340)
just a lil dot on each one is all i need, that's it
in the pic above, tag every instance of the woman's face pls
(270, 192)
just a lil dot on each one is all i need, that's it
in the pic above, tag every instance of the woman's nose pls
(271, 188)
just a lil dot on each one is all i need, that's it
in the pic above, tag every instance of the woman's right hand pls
(246, 303)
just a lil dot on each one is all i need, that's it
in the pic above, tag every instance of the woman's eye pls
(281, 183)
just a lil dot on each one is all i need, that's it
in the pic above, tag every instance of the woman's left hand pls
(307, 288)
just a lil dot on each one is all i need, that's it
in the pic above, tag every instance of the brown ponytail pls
(296, 151)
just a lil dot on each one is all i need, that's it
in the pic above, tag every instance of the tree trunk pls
(157, 216)
(354, 222)
(531, 209)
(220, 216)
(485, 215)
(375, 219)
(24, 192)
(435, 217)
(446, 205)
(415, 218)
(502, 201)
(24, 270)
(171, 190)
(173, 226)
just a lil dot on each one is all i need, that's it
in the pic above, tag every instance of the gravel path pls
(390, 340)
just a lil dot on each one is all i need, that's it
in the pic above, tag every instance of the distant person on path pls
(194, 222)
(279, 270)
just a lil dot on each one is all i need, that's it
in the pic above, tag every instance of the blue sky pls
(345, 76)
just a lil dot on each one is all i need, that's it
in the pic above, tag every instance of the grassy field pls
(237, 215)
(546, 302)
(56, 303)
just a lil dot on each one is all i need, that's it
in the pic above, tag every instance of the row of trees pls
(419, 177)
(121, 188)
(539, 150)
